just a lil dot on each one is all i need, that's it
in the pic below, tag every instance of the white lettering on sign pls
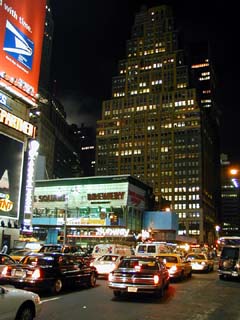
(16, 123)
(112, 232)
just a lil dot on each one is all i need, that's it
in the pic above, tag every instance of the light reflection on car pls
(106, 263)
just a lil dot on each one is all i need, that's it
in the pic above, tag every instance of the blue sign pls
(18, 45)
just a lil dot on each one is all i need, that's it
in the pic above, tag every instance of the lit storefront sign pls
(106, 196)
(17, 123)
(112, 232)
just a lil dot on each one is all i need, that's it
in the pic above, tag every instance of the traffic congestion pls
(150, 268)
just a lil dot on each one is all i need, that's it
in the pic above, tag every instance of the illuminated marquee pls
(32, 156)
(17, 123)
(112, 232)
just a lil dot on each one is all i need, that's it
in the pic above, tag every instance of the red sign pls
(21, 37)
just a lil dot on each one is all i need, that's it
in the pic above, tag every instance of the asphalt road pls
(203, 297)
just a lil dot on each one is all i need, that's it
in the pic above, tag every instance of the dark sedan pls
(139, 275)
(49, 271)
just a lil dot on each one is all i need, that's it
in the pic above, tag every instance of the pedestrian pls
(4, 248)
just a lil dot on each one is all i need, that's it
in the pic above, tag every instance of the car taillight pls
(4, 271)
(36, 274)
(156, 279)
(137, 268)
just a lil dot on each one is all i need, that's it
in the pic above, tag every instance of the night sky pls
(90, 38)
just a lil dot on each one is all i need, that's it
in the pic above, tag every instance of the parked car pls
(229, 262)
(139, 275)
(200, 262)
(49, 271)
(178, 267)
(18, 304)
(106, 263)
(5, 259)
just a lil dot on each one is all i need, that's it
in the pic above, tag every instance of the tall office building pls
(156, 128)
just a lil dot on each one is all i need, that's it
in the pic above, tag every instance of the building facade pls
(21, 35)
(156, 128)
(90, 210)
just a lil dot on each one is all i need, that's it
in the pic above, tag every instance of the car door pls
(7, 305)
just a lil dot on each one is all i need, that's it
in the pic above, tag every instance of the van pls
(108, 248)
(229, 262)
(152, 248)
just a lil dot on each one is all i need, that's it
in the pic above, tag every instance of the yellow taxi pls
(17, 255)
(178, 267)
(200, 262)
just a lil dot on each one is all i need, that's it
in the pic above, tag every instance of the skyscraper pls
(156, 128)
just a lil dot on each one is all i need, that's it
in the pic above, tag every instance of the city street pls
(203, 297)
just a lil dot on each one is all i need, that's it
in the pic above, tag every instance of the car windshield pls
(197, 256)
(143, 264)
(169, 259)
(50, 249)
(108, 258)
(38, 261)
(230, 253)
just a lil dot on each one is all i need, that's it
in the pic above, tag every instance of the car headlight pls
(203, 263)
(156, 279)
(173, 268)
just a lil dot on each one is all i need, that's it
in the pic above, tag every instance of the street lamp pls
(234, 176)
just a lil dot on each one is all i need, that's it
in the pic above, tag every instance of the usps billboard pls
(21, 38)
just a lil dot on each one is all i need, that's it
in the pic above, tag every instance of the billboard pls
(11, 164)
(21, 38)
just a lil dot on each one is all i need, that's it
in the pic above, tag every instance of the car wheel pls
(57, 286)
(117, 293)
(181, 278)
(167, 284)
(221, 277)
(160, 292)
(26, 312)
(92, 280)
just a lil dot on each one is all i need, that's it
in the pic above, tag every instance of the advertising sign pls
(21, 37)
(11, 163)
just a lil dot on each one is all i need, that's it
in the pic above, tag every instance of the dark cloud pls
(81, 108)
